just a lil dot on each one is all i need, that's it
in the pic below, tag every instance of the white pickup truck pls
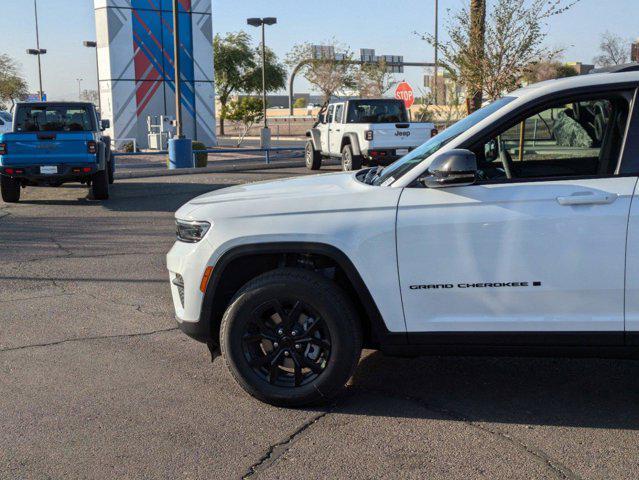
(364, 132)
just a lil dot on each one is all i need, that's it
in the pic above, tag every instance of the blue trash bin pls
(180, 153)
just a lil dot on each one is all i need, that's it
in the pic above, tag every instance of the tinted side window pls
(339, 110)
(582, 138)
(329, 114)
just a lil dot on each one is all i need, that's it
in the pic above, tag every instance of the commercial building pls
(136, 66)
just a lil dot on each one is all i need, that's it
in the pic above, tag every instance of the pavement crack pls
(136, 306)
(67, 252)
(82, 339)
(278, 449)
(560, 470)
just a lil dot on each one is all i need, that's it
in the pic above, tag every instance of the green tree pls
(238, 68)
(514, 38)
(246, 111)
(331, 76)
(300, 103)
(12, 85)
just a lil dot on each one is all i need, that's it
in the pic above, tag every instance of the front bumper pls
(186, 263)
(200, 331)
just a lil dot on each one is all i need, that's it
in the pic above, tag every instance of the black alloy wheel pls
(287, 343)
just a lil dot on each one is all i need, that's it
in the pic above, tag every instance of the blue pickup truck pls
(54, 143)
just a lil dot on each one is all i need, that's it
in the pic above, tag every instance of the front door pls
(336, 130)
(538, 245)
(325, 138)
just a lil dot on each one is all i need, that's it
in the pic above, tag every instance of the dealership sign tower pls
(135, 57)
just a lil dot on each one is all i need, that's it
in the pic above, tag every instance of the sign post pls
(405, 93)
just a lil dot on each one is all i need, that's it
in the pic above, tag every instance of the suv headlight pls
(191, 231)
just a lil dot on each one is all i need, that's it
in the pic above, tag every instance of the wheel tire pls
(350, 161)
(100, 185)
(10, 189)
(336, 315)
(111, 168)
(312, 157)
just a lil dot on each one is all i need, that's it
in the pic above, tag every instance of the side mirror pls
(452, 168)
(104, 124)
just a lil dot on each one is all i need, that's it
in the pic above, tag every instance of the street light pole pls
(79, 88)
(176, 61)
(90, 44)
(264, 74)
(265, 137)
(35, 9)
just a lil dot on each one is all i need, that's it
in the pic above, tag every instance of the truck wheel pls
(291, 337)
(111, 168)
(350, 161)
(10, 189)
(312, 157)
(100, 185)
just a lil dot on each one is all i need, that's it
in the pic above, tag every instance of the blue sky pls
(384, 25)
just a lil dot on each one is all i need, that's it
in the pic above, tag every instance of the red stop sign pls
(405, 92)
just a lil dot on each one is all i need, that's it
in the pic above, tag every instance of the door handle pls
(337, 130)
(595, 199)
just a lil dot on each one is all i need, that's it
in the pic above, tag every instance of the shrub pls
(201, 159)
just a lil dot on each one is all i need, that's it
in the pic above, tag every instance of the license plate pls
(48, 170)
(401, 151)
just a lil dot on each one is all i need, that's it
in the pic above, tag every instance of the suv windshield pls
(406, 163)
(53, 118)
(377, 111)
(6, 116)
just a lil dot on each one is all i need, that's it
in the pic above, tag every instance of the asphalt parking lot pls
(96, 381)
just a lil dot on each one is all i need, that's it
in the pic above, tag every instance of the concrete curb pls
(234, 167)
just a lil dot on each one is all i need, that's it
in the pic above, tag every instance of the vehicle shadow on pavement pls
(536, 391)
(136, 196)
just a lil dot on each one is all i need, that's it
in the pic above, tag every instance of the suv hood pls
(316, 192)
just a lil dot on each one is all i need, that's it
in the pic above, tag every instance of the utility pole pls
(176, 61)
(477, 39)
(180, 148)
(79, 80)
(436, 51)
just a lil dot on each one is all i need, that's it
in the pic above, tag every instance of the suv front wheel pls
(291, 337)
(312, 157)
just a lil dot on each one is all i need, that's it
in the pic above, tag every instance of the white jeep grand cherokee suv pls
(515, 232)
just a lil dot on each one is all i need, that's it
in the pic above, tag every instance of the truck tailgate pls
(402, 135)
(46, 148)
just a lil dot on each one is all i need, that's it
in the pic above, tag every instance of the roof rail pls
(626, 67)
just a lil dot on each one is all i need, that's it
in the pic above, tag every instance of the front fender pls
(315, 136)
(354, 141)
